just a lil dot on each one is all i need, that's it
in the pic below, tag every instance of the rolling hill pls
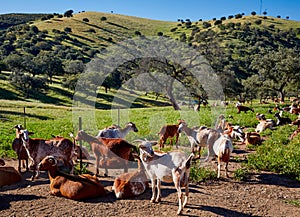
(85, 34)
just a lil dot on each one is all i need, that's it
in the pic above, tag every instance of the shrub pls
(241, 174)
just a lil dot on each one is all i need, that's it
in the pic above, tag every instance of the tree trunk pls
(174, 104)
(172, 99)
(281, 95)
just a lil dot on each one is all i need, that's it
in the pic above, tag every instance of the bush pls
(241, 174)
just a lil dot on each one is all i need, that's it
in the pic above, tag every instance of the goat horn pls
(138, 140)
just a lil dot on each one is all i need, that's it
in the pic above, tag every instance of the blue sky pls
(168, 10)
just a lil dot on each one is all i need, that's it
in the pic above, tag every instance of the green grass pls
(277, 153)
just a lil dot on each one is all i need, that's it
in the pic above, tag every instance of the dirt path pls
(264, 194)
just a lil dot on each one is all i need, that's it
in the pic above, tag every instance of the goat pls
(235, 132)
(265, 124)
(70, 186)
(253, 138)
(131, 184)
(84, 152)
(117, 132)
(222, 125)
(282, 120)
(20, 150)
(223, 148)
(172, 166)
(8, 175)
(168, 131)
(204, 137)
(115, 152)
(295, 111)
(296, 122)
(295, 133)
(242, 108)
(38, 149)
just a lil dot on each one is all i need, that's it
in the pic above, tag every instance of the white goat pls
(264, 124)
(203, 137)
(223, 148)
(117, 132)
(172, 166)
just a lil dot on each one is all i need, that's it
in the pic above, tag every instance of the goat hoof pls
(179, 212)
(152, 201)
(157, 200)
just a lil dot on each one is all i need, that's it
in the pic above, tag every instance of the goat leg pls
(186, 196)
(219, 165)
(226, 170)
(153, 190)
(158, 198)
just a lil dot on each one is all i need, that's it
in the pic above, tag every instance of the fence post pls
(24, 116)
(80, 143)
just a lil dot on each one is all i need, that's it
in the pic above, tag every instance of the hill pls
(8, 20)
(229, 44)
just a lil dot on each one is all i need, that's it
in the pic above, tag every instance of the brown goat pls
(168, 131)
(295, 111)
(131, 184)
(113, 151)
(242, 108)
(8, 175)
(38, 149)
(253, 138)
(17, 146)
(70, 186)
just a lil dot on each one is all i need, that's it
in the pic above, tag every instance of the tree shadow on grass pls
(41, 117)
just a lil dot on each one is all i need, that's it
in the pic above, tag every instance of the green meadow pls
(277, 153)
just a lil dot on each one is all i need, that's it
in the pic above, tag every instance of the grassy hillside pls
(97, 32)
(79, 36)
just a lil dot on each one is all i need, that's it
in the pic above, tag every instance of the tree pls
(253, 13)
(74, 67)
(49, 64)
(69, 13)
(276, 70)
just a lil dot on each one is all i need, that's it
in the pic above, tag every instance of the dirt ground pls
(263, 194)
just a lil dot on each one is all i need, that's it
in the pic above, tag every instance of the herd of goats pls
(111, 150)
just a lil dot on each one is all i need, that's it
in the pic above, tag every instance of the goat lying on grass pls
(70, 186)
(172, 166)
(253, 138)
